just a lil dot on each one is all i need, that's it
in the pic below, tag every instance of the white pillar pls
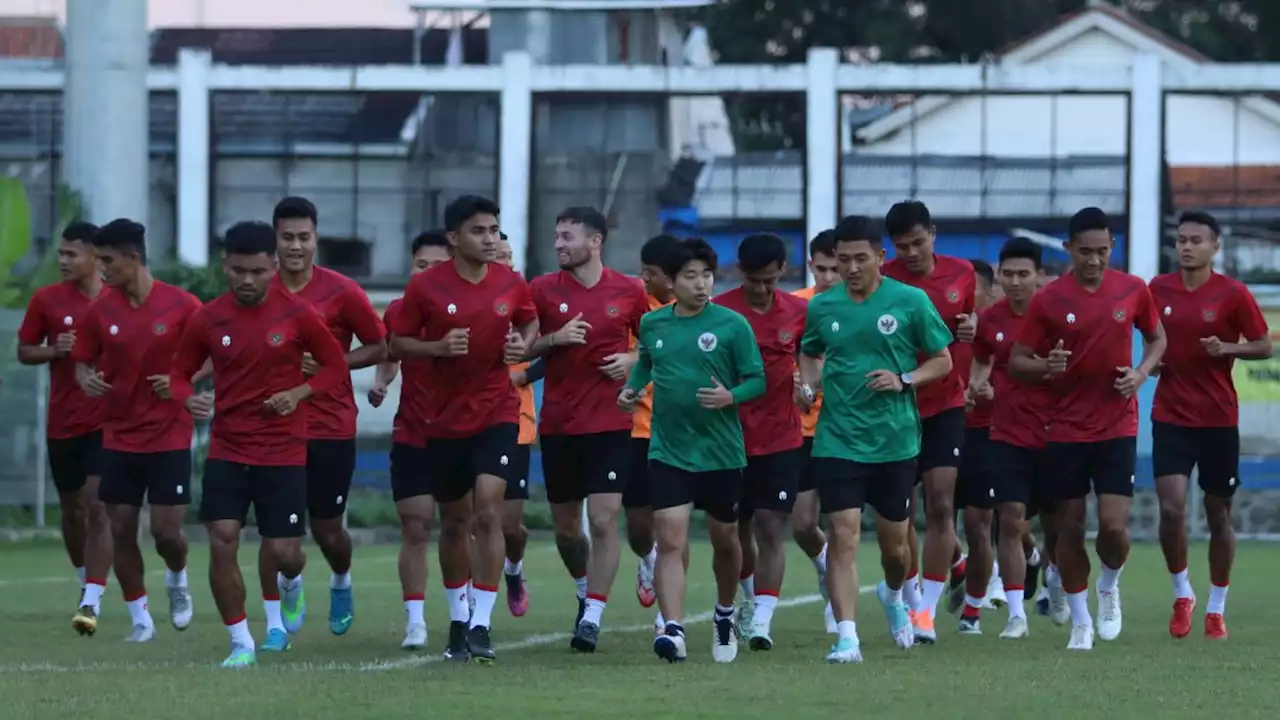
(1146, 154)
(515, 151)
(822, 145)
(194, 161)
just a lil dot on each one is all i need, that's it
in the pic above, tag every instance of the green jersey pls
(887, 331)
(681, 355)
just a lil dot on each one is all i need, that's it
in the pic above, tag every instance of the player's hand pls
(1057, 359)
(966, 326)
(884, 381)
(95, 385)
(970, 398)
(1214, 346)
(309, 365)
(574, 332)
(1129, 381)
(519, 378)
(377, 394)
(456, 342)
(516, 349)
(627, 398)
(200, 406)
(283, 402)
(983, 392)
(160, 384)
(618, 365)
(64, 343)
(715, 397)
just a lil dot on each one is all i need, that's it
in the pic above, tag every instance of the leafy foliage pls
(205, 283)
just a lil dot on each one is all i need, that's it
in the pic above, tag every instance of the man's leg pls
(639, 516)
(718, 493)
(98, 555)
(411, 489)
(226, 493)
(672, 493)
(169, 493)
(489, 456)
(68, 468)
(1013, 565)
(1173, 456)
(770, 486)
(280, 498)
(330, 466)
(604, 462)
(562, 470)
(1068, 468)
(747, 572)
(1219, 480)
(978, 567)
(515, 538)
(1113, 477)
(124, 484)
(942, 441)
(454, 550)
(805, 527)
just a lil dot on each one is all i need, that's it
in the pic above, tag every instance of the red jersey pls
(55, 310)
(409, 427)
(257, 352)
(962, 355)
(474, 391)
(952, 288)
(771, 423)
(1195, 389)
(1097, 328)
(128, 345)
(578, 399)
(1019, 412)
(346, 310)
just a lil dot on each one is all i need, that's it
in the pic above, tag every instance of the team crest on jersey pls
(1119, 314)
(160, 328)
(953, 295)
(707, 342)
(612, 310)
(501, 307)
(276, 338)
(785, 336)
(887, 324)
(1209, 315)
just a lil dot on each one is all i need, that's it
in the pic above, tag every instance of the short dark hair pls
(295, 208)
(125, 235)
(824, 243)
(657, 248)
(905, 215)
(588, 217)
(466, 207)
(1020, 248)
(250, 238)
(982, 269)
(1201, 217)
(430, 238)
(80, 231)
(759, 250)
(689, 250)
(1090, 218)
(857, 227)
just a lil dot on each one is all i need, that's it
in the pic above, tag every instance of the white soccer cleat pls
(1016, 628)
(180, 607)
(141, 634)
(829, 617)
(1059, 611)
(995, 598)
(1110, 619)
(1081, 638)
(415, 637)
(724, 642)
(845, 651)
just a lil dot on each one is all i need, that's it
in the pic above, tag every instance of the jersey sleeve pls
(1147, 319)
(747, 359)
(811, 343)
(932, 335)
(1247, 317)
(359, 315)
(524, 311)
(982, 346)
(409, 318)
(88, 338)
(1034, 333)
(324, 347)
(35, 324)
(189, 358)
(642, 372)
(971, 291)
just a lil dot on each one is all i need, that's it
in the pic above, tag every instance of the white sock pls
(847, 629)
(1108, 579)
(723, 611)
(516, 568)
(820, 562)
(933, 590)
(1182, 585)
(995, 571)
(80, 575)
(1033, 560)
(765, 605)
(1079, 604)
(829, 616)
(459, 608)
(240, 635)
(93, 595)
(275, 620)
(748, 585)
(176, 579)
(1014, 598)
(139, 613)
(582, 587)
(973, 602)
(485, 600)
(911, 593)
(340, 581)
(595, 609)
(413, 610)
(1052, 577)
(652, 557)
(896, 596)
(288, 583)
(1217, 600)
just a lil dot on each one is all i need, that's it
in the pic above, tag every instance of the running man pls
(862, 343)
(703, 361)
(1195, 418)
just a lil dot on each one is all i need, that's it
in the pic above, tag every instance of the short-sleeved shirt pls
(1019, 411)
(54, 310)
(528, 415)
(952, 288)
(809, 421)
(889, 330)
(1194, 388)
(642, 418)
(1097, 329)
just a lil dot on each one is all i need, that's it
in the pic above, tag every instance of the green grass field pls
(47, 671)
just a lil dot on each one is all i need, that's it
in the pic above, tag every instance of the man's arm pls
(32, 335)
(536, 371)
(188, 361)
(328, 354)
(407, 323)
(642, 372)
(746, 355)
(933, 337)
(1252, 325)
(360, 316)
(979, 371)
(1024, 364)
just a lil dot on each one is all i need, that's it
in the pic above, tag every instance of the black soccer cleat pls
(456, 650)
(1032, 581)
(582, 610)
(479, 645)
(584, 640)
(670, 645)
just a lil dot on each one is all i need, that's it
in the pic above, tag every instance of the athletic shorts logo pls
(612, 310)
(276, 339)
(785, 336)
(1208, 315)
(707, 342)
(160, 328)
(887, 324)
(1119, 314)
(501, 307)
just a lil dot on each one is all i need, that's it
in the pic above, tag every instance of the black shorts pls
(455, 463)
(277, 493)
(518, 481)
(410, 474)
(576, 466)
(973, 484)
(806, 482)
(163, 478)
(636, 494)
(1214, 451)
(330, 465)
(1017, 475)
(1106, 467)
(941, 440)
(74, 460)
(769, 482)
(849, 485)
(715, 492)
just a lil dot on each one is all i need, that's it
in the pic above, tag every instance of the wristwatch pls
(906, 379)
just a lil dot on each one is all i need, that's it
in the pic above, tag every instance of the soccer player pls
(771, 428)
(1012, 454)
(256, 336)
(861, 344)
(703, 361)
(331, 417)
(587, 314)
(410, 474)
(949, 283)
(1195, 418)
(74, 442)
(1079, 331)
(468, 319)
(123, 354)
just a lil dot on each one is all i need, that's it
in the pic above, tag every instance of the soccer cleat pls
(240, 657)
(970, 625)
(582, 610)
(759, 638)
(724, 644)
(1215, 628)
(342, 610)
(85, 621)
(923, 628)
(293, 609)
(585, 637)
(1110, 619)
(517, 595)
(1180, 621)
(670, 645)
(456, 650)
(277, 641)
(955, 586)
(142, 633)
(480, 646)
(995, 597)
(415, 637)
(744, 617)
(1016, 628)
(644, 585)
(1081, 638)
(180, 608)
(897, 617)
(846, 650)
(1042, 601)
(1059, 612)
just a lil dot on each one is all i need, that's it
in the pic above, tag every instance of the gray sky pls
(248, 13)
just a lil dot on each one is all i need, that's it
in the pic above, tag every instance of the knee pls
(1173, 511)
(513, 524)
(1013, 527)
(603, 524)
(415, 531)
(223, 544)
(977, 526)
(940, 511)
(487, 519)
(769, 528)
(455, 526)
(124, 528)
(165, 535)
(1217, 515)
